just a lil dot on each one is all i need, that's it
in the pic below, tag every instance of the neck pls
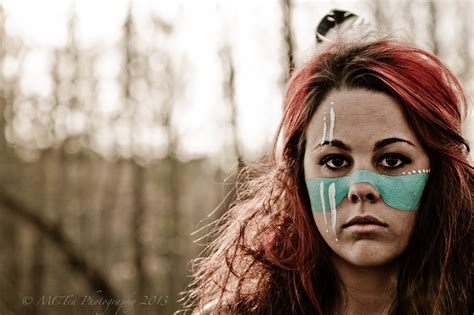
(366, 290)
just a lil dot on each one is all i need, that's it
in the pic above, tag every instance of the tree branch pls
(53, 232)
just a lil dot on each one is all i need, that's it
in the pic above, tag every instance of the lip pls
(364, 225)
(365, 228)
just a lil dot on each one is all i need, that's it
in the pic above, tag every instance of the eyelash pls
(402, 160)
(328, 158)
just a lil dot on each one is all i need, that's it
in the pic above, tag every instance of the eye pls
(393, 161)
(335, 161)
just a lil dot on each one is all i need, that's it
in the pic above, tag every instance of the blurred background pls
(123, 124)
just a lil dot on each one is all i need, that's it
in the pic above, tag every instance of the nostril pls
(354, 198)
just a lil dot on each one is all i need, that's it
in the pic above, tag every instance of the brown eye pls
(394, 161)
(335, 162)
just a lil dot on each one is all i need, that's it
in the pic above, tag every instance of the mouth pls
(365, 223)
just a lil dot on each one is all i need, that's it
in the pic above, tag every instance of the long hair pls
(268, 257)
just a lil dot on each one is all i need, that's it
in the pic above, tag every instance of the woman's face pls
(355, 130)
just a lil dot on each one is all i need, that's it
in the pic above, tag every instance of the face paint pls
(416, 171)
(332, 187)
(332, 120)
(332, 204)
(321, 196)
(324, 129)
(332, 117)
(399, 192)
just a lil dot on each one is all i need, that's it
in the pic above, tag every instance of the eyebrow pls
(335, 143)
(377, 146)
(384, 142)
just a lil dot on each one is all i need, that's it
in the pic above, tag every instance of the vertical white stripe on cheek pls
(332, 204)
(321, 195)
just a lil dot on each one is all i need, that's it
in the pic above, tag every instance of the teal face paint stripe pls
(400, 192)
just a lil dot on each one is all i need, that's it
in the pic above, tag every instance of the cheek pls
(404, 223)
(308, 167)
(319, 220)
(324, 228)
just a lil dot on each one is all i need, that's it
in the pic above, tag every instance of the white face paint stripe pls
(324, 129)
(321, 195)
(332, 117)
(332, 203)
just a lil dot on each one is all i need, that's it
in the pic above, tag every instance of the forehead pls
(360, 115)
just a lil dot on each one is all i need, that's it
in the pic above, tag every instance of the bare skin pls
(366, 261)
(367, 290)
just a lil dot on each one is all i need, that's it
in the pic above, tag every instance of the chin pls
(367, 255)
(366, 262)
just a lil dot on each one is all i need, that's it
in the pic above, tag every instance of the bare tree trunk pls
(139, 182)
(174, 238)
(138, 176)
(81, 165)
(432, 27)
(107, 206)
(380, 9)
(173, 183)
(408, 9)
(464, 11)
(3, 88)
(229, 95)
(287, 29)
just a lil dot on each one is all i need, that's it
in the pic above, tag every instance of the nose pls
(363, 192)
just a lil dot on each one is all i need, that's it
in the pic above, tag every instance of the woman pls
(367, 210)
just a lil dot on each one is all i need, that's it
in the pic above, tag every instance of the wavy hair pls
(268, 257)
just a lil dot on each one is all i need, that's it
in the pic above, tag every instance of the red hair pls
(277, 261)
